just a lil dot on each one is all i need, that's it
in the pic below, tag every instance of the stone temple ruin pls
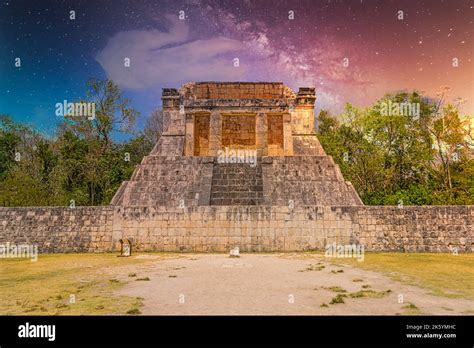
(203, 121)
(238, 165)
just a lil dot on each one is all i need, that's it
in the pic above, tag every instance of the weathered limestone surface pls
(263, 116)
(205, 118)
(58, 229)
(191, 180)
(251, 228)
(307, 145)
(305, 180)
(169, 146)
(237, 184)
(168, 181)
(236, 90)
(420, 228)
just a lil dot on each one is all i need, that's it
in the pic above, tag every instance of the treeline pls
(390, 157)
(400, 157)
(82, 164)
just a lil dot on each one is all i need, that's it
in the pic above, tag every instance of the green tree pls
(9, 142)
(90, 167)
(422, 158)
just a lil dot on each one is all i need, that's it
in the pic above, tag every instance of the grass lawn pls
(45, 287)
(444, 274)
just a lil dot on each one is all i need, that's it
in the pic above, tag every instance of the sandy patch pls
(275, 284)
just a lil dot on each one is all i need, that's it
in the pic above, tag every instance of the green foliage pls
(18, 188)
(400, 159)
(83, 164)
(8, 143)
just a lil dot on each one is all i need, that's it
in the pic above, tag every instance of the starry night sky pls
(58, 55)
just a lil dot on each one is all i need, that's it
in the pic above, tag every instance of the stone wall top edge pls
(239, 82)
(229, 103)
(367, 207)
(420, 206)
(86, 207)
(308, 206)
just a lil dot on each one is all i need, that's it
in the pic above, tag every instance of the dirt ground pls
(274, 284)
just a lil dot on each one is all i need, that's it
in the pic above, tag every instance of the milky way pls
(351, 51)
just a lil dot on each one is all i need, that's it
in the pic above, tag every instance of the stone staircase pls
(237, 184)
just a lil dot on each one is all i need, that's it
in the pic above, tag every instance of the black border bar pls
(194, 331)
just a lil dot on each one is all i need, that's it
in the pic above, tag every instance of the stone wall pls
(168, 181)
(169, 145)
(238, 131)
(305, 180)
(228, 104)
(237, 90)
(187, 180)
(201, 135)
(275, 135)
(252, 228)
(58, 229)
(219, 228)
(427, 228)
(307, 145)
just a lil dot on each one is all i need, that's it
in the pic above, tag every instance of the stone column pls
(303, 117)
(173, 112)
(215, 132)
(287, 135)
(189, 146)
(261, 136)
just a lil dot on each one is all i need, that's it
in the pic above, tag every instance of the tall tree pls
(154, 126)
(93, 135)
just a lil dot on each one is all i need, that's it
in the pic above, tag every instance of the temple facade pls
(209, 126)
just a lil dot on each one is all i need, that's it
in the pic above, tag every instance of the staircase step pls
(237, 184)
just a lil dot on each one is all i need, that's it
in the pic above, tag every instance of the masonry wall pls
(275, 135)
(306, 181)
(219, 228)
(238, 90)
(58, 229)
(430, 228)
(238, 132)
(252, 228)
(201, 135)
(170, 181)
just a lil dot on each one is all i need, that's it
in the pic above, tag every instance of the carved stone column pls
(215, 132)
(287, 135)
(189, 146)
(261, 134)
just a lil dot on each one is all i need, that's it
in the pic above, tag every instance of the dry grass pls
(45, 287)
(411, 309)
(336, 289)
(369, 293)
(318, 267)
(338, 299)
(444, 274)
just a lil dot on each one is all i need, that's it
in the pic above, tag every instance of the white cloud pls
(158, 58)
